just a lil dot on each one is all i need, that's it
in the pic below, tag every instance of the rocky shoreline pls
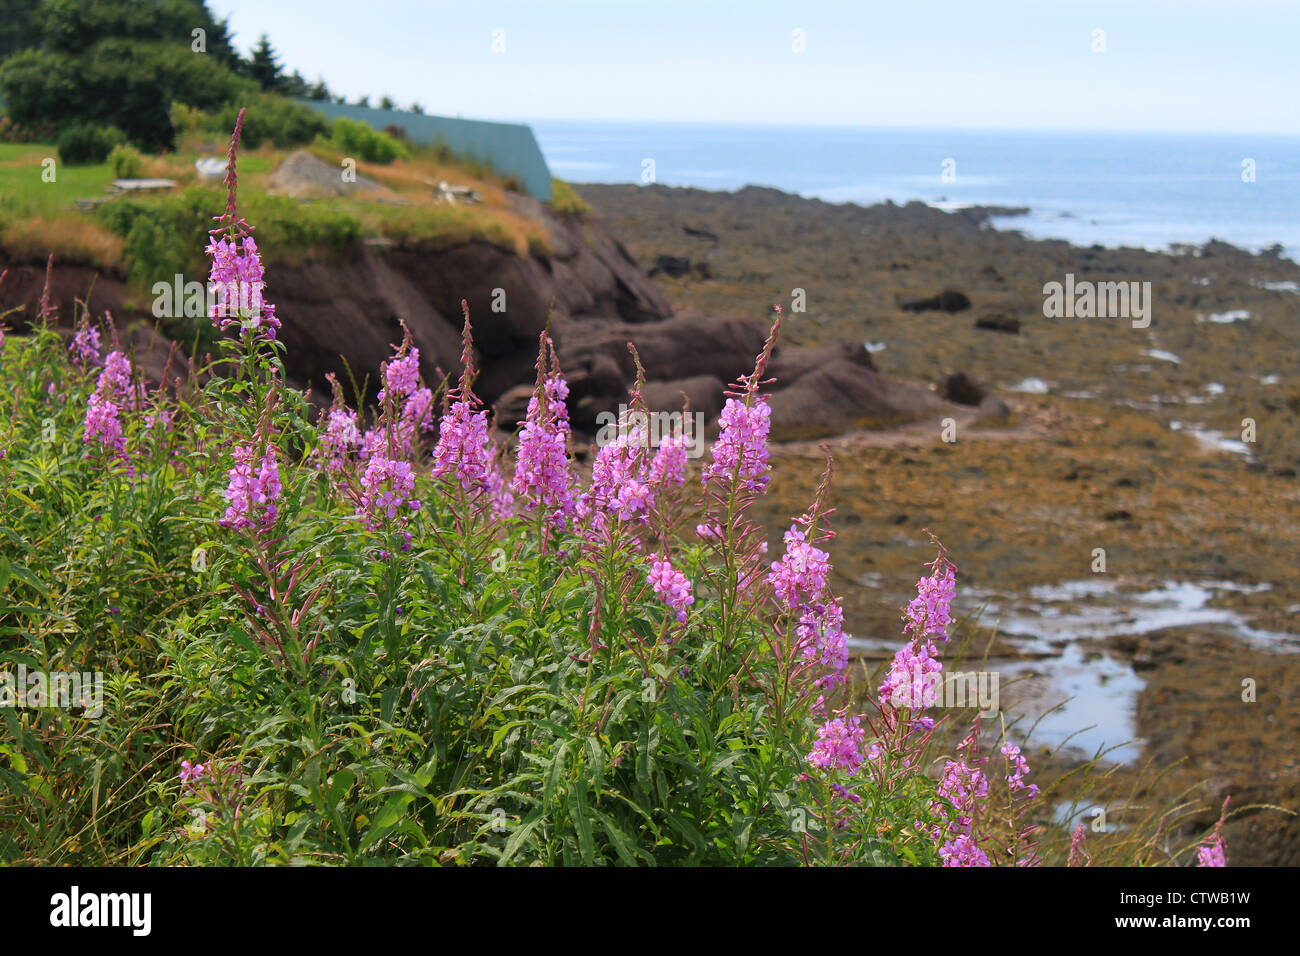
(1118, 438)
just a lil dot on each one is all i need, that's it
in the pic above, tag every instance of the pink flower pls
(236, 278)
(252, 491)
(911, 681)
(963, 852)
(671, 586)
(503, 502)
(464, 449)
(619, 479)
(386, 489)
(801, 573)
(960, 789)
(542, 466)
(669, 465)
(1215, 854)
(113, 392)
(1020, 767)
(102, 424)
(401, 376)
(85, 347)
(191, 773)
(838, 745)
(821, 639)
(340, 437)
(741, 448)
(115, 379)
(928, 614)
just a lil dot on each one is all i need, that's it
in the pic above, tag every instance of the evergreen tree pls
(19, 26)
(116, 63)
(264, 66)
(295, 85)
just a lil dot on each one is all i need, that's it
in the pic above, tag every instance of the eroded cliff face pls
(337, 315)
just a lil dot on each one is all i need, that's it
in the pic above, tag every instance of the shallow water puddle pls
(1096, 693)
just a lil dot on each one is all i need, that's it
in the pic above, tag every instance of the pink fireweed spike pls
(671, 587)
(236, 276)
(1215, 852)
(85, 347)
(542, 468)
(253, 491)
(801, 573)
(929, 613)
(839, 745)
(464, 448)
(669, 465)
(1078, 855)
(740, 452)
(102, 425)
(340, 438)
(386, 490)
(912, 680)
(1019, 766)
(114, 392)
(822, 641)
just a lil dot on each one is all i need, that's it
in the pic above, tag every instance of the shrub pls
(86, 144)
(274, 119)
(126, 162)
(119, 62)
(365, 143)
(566, 201)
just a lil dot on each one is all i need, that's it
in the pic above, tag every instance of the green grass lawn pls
(141, 236)
(23, 191)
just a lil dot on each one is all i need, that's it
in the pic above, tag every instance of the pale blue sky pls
(1195, 65)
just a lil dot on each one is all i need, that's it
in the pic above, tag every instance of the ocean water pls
(1114, 189)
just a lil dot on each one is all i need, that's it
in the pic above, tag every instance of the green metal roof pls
(510, 148)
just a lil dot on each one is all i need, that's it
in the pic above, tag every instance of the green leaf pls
(582, 823)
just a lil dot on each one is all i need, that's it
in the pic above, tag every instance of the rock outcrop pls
(348, 314)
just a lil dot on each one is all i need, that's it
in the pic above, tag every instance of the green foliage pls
(566, 201)
(75, 26)
(20, 26)
(273, 119)
(264, 66)
(270, 118)
(86, 144)
(361, 141)
(126, 162)
(125, 83)
(120, 63)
